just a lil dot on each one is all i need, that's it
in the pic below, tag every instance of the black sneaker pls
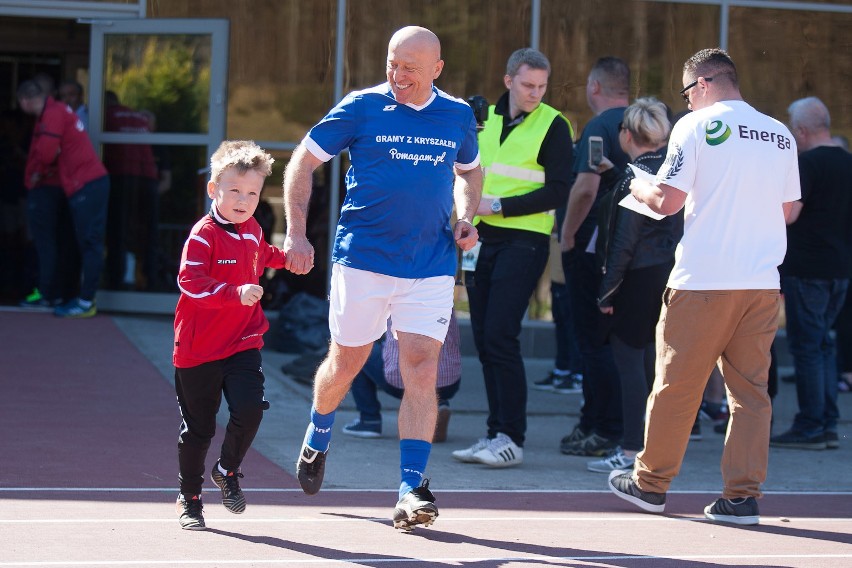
(417, 507)
(189, 510)
(591, 445)
(832, 441)
(572, 438)
(621, 483)
(742, 511)
(798, 440)
(310, 469)
(232, 496)
(545, 384)
(568, 384)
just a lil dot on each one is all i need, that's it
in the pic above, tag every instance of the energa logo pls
(717, 132)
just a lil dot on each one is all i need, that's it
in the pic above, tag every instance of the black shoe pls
(310, 469)
(621, 483)
(591, 445)
(232, 496)
(797, 440)
(545, 384)
(742, 511)
(569, 440)
(832, 441)
(417, 507)
(189, 510)
(568, 384)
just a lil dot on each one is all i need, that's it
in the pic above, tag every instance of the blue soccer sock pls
(413, 457)
(318, 434)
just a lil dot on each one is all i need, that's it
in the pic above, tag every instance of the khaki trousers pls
(697, 329)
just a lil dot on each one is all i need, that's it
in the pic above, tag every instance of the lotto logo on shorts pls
(443, 321)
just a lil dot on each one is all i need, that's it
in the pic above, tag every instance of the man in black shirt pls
(526, 153)
(815, 274)
(599, 429)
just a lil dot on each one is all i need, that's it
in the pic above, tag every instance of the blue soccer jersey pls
(395, 219)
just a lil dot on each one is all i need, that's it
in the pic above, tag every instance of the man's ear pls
(507, 80)
(211, 189)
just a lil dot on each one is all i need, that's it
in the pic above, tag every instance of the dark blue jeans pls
(52, 233)
(601, 412)
(372, 377)
(568, 356)
(504, 280)
(812, 306)
(89, 212)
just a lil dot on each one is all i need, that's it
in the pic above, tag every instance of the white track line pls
(602, 518)
(445, 560)
(394, 489)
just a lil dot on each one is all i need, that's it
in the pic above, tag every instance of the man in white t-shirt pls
(413, 152)
(735, 173)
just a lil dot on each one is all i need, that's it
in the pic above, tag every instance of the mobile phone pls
(595, 151)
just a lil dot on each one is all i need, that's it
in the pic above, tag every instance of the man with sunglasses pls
(735, 173)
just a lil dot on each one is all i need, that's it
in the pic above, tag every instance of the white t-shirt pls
(737, 167)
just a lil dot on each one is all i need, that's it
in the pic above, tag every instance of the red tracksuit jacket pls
(219, 257)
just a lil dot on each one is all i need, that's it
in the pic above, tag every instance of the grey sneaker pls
(229, 483)
(621, 483)
(616, 460)
(310, 469)
(417, 507)
(189, 510)
(466, 455)
(742, 511)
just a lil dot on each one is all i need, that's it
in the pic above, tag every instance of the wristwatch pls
(496, 206)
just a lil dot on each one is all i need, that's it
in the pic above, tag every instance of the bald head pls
(414, 62)
(421, 39)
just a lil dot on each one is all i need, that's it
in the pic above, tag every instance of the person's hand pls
(606, 310)
(250, 294)
(299, 253)
(465, 234)
(35, 178)
(605, 165)
(566, 243)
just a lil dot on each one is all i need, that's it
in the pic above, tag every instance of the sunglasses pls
(684, 91)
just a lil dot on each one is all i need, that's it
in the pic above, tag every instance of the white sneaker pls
(466, 455)
(500, 452)
(615, 460)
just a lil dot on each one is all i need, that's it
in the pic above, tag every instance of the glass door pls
(157, 110)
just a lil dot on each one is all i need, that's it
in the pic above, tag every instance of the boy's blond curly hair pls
(241, 154)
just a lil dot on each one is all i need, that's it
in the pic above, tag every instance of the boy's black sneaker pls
(229, 483)
(417, 507)
(310, 469)
(742, 511)
(189, 510)
(621, 483)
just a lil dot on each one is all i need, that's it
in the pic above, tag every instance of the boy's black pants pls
(199, 393)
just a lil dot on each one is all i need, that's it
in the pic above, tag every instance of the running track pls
(88, 430)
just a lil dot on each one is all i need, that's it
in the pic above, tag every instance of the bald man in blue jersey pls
(414, 154)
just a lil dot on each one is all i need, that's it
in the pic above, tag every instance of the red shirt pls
(60, 144)
(219, 257)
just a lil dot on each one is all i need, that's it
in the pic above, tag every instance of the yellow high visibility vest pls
(511, 168)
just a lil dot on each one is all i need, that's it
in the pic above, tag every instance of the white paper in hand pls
(630, 202)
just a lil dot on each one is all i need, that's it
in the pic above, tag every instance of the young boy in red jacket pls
(219, 328)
